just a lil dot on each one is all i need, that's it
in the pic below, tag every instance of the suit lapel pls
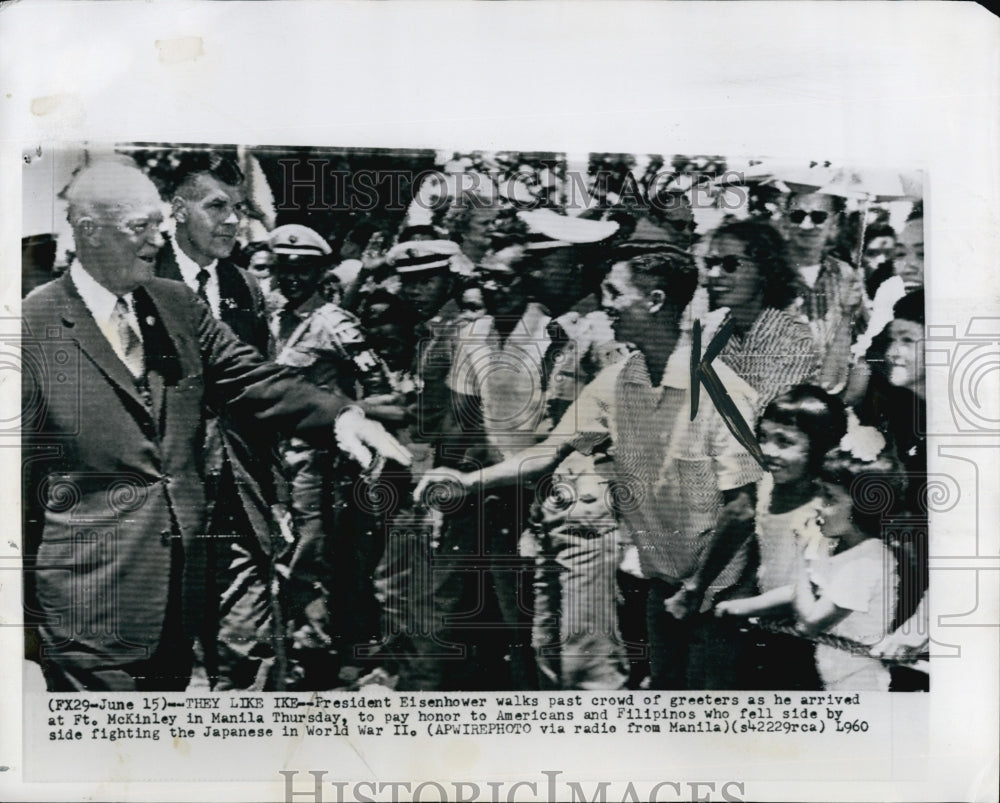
(234, 295)
(82, 327)
(166, 263)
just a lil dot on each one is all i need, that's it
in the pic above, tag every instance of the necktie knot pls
(131, 344)
(202, 277)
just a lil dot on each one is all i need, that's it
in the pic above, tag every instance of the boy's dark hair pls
(910, 307)
(671, 270)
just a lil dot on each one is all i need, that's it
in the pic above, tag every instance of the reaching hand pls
(441, 486)
(360, 437)
(725, 608)
(682, 604)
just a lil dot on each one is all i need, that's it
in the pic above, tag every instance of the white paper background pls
(903, 84)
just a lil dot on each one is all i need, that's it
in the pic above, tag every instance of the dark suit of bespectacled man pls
(246, 496)
(120, 368)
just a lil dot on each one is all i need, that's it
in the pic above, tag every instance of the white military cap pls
(549, 229)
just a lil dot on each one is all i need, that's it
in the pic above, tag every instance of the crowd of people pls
(510, 446)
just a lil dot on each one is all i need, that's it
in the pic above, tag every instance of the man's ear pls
(178, 208)
(657, 298)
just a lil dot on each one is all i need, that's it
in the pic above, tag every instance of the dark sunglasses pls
(683, 225)
(798, 215)
(728, 263)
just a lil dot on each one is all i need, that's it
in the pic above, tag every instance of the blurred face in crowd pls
(556, 279)
(626, 304)
(386, 336)
(473, 303)
(904, 355)
(502, 286)
(296, 281)
(786, 450)
(806, 223)
(734, 280)
(117, 225)
(207, 212)
(908, 261)
(878, 250)
(331, 289)
(426, 291)
(837, 510)
(673, 214)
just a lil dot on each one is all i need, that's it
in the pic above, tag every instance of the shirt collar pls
(676, 373)
(189, 268)
(99, 300)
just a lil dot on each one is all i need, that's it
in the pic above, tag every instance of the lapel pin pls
(150, 320)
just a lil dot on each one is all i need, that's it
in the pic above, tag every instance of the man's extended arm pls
(254, 388)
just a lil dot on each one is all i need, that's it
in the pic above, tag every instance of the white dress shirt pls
(189, 273)
(101, 303)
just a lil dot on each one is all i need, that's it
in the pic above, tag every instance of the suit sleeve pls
(254, 389)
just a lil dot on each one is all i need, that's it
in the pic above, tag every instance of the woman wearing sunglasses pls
(749, 273)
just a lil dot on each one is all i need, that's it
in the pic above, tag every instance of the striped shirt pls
(670, 471)
(776, 354)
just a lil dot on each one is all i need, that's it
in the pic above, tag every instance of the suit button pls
(165, 537)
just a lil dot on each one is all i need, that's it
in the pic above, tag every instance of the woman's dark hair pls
(910, 307)
(766, 247)
(816, 413)
(877, 230)
(877, 487)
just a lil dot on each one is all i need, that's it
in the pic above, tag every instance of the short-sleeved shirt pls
(326, 342)
(776, 354)
(506, 377)
(862, 580)
(780, 537)
(670, 471)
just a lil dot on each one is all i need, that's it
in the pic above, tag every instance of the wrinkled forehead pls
(129, 210)
(810, 202)
(726, 244)
(115, 192)
(206, 187)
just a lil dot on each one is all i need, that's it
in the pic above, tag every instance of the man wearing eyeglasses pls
(828, 290)
(117, 569)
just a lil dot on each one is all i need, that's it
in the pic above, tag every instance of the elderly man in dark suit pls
(119, 369)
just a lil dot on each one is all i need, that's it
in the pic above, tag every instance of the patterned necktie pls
(132, 354)
(203, 276)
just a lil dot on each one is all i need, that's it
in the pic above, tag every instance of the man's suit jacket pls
(114, 477)
(245, 461)
(242, 300)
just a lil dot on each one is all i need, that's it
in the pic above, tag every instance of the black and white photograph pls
(475, 421)
(499, 401)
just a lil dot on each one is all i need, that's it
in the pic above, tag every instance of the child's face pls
(905, 354)
(836, 511)
(786, 449)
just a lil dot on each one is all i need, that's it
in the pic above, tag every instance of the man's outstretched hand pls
(441, 487)
(367, 441)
